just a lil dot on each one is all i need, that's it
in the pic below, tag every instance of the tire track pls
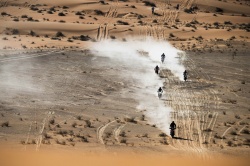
(117, 132)
(236, 137)
(27, 56)
(40, 134)
(215, 104)
(168, 16)
(189, 113)
(100, 132)
(28, 135)
(225, 132)
(212, 127)
(188, 124)
(187, 101)
(103, 30)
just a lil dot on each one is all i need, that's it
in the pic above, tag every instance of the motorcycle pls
(157, 71)
(160, 94)
(162, 59)
(172, 132)
(185, 77)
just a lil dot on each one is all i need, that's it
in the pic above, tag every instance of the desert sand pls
(77, 77)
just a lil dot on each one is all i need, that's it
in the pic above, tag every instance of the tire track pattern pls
(168, 16)
(27, 56)
(103, 30)
(101, 130)
(117, 132)
(194, 108)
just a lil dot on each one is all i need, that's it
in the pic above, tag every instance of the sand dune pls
(78, 76)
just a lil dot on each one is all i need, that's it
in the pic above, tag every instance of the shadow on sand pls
(185, 139)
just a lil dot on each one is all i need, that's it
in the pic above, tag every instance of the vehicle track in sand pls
(76, 68)
(36, 133)
(28, 135)
(117, 132)
(222, 142)
(194, 111)
(168, 16)
(33, 131)
(103, 29)
(212, 105)
(236, 137)
(40, 133)
(101, 130)
(27, 56)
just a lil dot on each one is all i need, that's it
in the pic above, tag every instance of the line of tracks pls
(103, 29)
(194, 110)
(168, 16)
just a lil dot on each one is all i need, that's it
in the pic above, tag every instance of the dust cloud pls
(17, 79)
(137, 60)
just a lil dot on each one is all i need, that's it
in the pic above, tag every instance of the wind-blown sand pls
(78, 77)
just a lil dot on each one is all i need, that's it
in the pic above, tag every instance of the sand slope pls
(78, 98)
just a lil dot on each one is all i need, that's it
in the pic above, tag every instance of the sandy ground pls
(57, 95)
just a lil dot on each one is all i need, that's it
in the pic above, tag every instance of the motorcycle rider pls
(162, 57)
(160, 91)
(172, 128)
(172, 125)
(185, 75)
(157, 69)
(153, 10)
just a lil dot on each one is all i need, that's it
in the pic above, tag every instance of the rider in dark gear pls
(185, 72)
(172, 128)
(162, 57)
(160, 90)
(157, 69)
(153, 10)
(173, 125)
(177, 6)
(185, 75)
